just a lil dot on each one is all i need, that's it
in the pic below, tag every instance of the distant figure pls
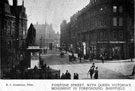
(102, 58)
(56, 76)
(96, 73)
(46, 50)
(62, 76)
(91, 71)
(73, 57)
(80, 56)
(93, 65)
(76, 76)
(90, 58)
(62, 54)
(67, 75)
(133, 72)
(48, 68)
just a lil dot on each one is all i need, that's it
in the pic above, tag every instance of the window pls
(121, 34)
(120, 21)
(9, 44)
(13, 25)
(114, 9)
(101, 35)
(114, 35)
(9, 24)
(114, 21)
(8, 32)
(101, 9)
(23, 33)
(120, 9)
(105, 35)
(22, 23)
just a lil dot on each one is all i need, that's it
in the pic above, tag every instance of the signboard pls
(33, 47)
(84, 48)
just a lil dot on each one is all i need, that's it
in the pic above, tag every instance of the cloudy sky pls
(51, 11)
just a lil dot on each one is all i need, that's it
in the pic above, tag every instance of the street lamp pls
(132, 50)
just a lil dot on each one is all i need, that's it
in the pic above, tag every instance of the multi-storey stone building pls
(64, 37)
(103, 27)
(13, 26)
(45, 35)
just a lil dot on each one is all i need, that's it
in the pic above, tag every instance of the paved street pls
(116, 69)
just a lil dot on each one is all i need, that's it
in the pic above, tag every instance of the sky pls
(51, 11)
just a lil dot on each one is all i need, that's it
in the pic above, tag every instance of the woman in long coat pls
(96, 73)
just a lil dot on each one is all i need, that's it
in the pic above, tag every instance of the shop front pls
(112, 49)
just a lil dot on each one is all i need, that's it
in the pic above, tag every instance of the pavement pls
(114, 69)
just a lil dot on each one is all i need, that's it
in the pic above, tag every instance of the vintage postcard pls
(67, 45)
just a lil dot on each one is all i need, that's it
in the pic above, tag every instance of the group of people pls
(67, 75)
(93, 71)
(76, 76)
(62, 54)
(72, 57)
(43, 51)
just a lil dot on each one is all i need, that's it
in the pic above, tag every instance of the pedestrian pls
(67, 75)
(102, 58)
(70, 59)
(80, 57)
(133, 72)
(91, 59)
(56, 76)
(96, 73)
(46, 50)
(93, 65)
(73, 56)
(76, 76)
(62, 76)
(91, 71)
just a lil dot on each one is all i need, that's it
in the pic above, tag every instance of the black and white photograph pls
(67, 40)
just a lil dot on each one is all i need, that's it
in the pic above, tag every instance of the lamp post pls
(41, 42)
(131, 50)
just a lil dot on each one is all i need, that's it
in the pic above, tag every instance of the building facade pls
(64, 37)
(13, 26)
(46, 36)
(103, 27)
(19, 12)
